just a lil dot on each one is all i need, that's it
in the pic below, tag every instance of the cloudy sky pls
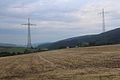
(55, 19)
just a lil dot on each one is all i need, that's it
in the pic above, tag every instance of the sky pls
(55, 19)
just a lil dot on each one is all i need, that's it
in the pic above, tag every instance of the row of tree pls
(87, 44)
(26, 51)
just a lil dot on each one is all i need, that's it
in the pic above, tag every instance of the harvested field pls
(91, 63)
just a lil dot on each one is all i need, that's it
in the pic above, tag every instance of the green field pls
(11, 50)
(17, 51)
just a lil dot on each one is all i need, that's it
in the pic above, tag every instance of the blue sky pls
(55, 19)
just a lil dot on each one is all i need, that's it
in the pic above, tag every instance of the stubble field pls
(91, 63)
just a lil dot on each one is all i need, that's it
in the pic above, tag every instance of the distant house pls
(67, 47)
(76, 46)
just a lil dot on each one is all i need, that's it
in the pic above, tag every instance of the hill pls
(90, 63)
(7, 45)
(109, 37)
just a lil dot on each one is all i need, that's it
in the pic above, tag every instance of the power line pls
(29, 44)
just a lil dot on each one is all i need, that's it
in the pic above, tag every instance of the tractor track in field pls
(46, 60)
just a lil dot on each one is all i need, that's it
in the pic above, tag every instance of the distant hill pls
(45, 45)
(109, 37)
(8, 45)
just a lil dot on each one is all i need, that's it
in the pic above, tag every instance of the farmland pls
(90, 63)
(11, 50)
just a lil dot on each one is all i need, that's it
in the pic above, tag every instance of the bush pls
(3, 54)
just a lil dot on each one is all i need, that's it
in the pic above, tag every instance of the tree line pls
(26, 51)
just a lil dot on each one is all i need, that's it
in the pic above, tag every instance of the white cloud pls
(61, 13)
